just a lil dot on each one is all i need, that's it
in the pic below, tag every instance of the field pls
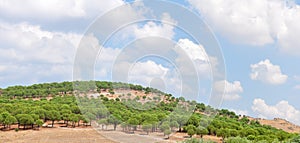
(54, 135)
(88, 135)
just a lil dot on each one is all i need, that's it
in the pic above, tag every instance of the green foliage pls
(115, 120)
(165, 126)
(191, 130)
(39, 122)
(245, 120)
(223, 132)
(147, 127)
(237, 140)
(201, 131)
(9, 120)
(295, 139)
(159, 117)
(194, 140)
(167, 132)
(174, 124)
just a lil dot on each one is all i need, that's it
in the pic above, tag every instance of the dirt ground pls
(88, 135)
(54, 135)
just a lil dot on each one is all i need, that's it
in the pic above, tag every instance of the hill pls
(279, 124)
(129, 109)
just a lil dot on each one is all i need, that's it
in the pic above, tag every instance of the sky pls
(246, 53)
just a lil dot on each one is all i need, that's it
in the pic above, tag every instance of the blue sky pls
(258, 41)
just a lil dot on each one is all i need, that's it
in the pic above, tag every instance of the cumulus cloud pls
(144, 72)
(230, 91)
(191, 52)
(55, 9)
(24, 42)
(266, 72)
(194, 51)
(155, 29)
(255, 22)
(156, 75)
(29, 52)
(281, 110)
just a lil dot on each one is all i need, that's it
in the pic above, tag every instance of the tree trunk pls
(52, 123)
(180, 127)
(115, 126)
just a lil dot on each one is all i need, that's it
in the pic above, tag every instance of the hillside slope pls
(128, 108)
(279, 124)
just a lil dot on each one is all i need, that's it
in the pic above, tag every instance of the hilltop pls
(279, 124)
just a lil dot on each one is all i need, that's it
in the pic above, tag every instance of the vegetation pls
(74, 108)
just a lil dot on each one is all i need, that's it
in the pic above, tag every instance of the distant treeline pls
(51, 89)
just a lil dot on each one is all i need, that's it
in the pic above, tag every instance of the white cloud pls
(266, 72)
(256, 22)
(146, 29)
(281, 110)
(55, 9)
(154, 29)
(230, 91)
(24, 42)
(194, 51)
(144, 72)
(29, 53)
(164, 29)
(190, 52)
(155, 75)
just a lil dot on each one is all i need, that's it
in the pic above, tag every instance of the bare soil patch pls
(54, 135)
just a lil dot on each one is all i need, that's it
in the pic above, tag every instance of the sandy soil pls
(281, 124)
(53, 135)
(89, 135)
(153, 137)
